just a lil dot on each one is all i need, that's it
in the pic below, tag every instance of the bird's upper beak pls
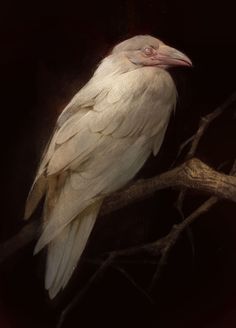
(168, 56)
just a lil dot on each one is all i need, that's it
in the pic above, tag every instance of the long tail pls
(65, 250)
(65, 241)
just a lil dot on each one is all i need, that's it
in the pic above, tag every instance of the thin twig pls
(175, 234)
(76, 300)
(196, 138)
(181, 148)
(193, 174)
(161, 247)
(206, 121)
(133, 282)
(177, 230)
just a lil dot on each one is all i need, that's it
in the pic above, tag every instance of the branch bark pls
(206, 121)
(196, 138)
(177, 230)
(160, 249)
(192, 174)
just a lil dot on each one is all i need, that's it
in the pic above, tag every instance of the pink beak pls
(168, 56)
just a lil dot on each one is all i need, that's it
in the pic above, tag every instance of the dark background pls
(48, 50)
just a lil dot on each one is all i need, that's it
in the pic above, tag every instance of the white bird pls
(101, 140)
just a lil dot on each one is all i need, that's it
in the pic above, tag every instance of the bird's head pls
(145, 50)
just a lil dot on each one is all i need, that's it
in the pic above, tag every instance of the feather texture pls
(65, 250)
(101, 140)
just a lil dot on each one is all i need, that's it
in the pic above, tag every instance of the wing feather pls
(101, 140)
(105, 148)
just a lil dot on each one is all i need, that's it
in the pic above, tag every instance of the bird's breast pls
(152, 97)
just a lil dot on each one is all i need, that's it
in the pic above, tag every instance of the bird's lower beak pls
(168, 56)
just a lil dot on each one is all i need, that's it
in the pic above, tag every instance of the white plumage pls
(101, 140)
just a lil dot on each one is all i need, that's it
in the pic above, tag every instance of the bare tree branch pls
(192, 174)
(206, 121)
(176, 231)
(162, 247)
(196, 138)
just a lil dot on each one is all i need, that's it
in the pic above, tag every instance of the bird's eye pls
(148, 51)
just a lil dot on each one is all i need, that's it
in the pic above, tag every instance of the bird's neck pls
(114, 65)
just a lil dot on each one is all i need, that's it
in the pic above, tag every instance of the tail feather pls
(65, 250)
(54, 256)
(80, 241)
